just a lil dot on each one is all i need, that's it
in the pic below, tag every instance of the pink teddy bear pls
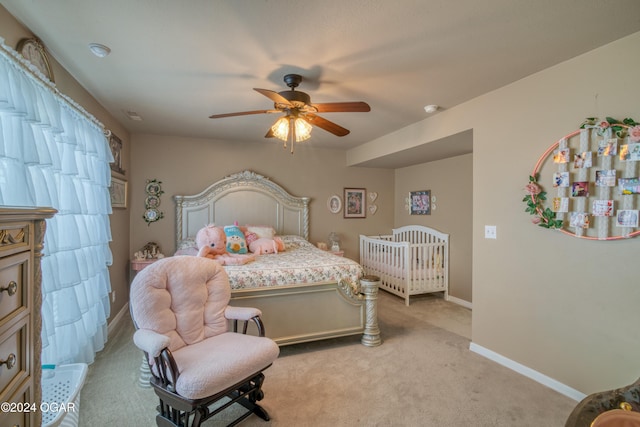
(212, 243)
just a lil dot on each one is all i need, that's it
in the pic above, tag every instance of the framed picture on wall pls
(354, 203)
(421, 202)
(115, 144)
(118, 192)
(334, 204)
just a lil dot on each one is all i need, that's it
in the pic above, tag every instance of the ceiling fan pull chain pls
(292, 131)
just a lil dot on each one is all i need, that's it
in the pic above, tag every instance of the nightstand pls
(139, 264)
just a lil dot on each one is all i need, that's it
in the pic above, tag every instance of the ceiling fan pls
(299, 112)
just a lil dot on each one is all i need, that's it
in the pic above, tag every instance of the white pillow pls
(262, 231)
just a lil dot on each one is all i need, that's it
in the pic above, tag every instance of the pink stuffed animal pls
(263, 245)
(212, 243)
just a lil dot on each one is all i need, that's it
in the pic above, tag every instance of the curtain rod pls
(34, 73)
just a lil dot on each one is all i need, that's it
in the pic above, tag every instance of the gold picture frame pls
(118, 193)
(115, 144)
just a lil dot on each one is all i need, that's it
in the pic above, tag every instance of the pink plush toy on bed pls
(212, 243)
(265, 245)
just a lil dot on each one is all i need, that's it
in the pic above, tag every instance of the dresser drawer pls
(22, 411)
(14, 279)
(14, 348)
(15, 237)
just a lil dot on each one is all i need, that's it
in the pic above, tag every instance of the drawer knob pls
(11, 288)
(10, 361)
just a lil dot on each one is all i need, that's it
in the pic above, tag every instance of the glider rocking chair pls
(199, 365)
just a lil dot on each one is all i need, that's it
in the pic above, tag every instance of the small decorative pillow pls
(262, 231)
(236, 243)
(250, 238)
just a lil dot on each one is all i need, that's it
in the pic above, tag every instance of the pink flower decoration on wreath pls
(544, 217)
(634, 133)
(533, 188)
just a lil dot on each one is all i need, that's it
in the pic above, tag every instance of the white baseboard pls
(528, 372)
(465, 304)
(113, 325)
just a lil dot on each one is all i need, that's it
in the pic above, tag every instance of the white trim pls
(528, 372)
(115, 322)
(465, 304)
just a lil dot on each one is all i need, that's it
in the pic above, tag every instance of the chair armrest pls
(241, 313)
(150, 341)
(245, 314)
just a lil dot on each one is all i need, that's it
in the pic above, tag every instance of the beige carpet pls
(422, 375)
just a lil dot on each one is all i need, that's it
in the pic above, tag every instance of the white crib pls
(413, 260)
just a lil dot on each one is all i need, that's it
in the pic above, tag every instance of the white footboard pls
(414, 260)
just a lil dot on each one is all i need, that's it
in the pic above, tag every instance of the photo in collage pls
(601, 178)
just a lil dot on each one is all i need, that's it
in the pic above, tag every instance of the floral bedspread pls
(301, 262)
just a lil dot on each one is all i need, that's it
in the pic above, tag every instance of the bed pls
(412, 260)
(305, 293)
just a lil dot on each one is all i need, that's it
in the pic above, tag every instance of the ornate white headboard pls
(245, 197)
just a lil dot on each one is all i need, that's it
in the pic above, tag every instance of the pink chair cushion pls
(182, 297)
(219, 362)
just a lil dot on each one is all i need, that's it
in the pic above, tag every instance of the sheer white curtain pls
(53, 153)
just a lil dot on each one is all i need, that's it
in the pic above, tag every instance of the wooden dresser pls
(21, 242)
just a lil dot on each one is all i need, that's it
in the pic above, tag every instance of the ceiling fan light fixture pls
(99, 50)
(280, 128)
(302, 129)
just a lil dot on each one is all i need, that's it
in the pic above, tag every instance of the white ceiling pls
(175, 63)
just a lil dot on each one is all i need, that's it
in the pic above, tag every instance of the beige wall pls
(451, 182)
(188, 166)
(12, 32)
(564, 307)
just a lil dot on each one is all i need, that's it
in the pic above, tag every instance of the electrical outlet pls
(113, 296)
(490, 232)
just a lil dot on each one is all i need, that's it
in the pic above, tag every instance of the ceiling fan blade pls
(274, 96)
(327, 125)
(342, 107)
(243, 113)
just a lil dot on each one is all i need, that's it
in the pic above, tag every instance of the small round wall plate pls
(152, 201)
(151, 215)
(153, 188)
